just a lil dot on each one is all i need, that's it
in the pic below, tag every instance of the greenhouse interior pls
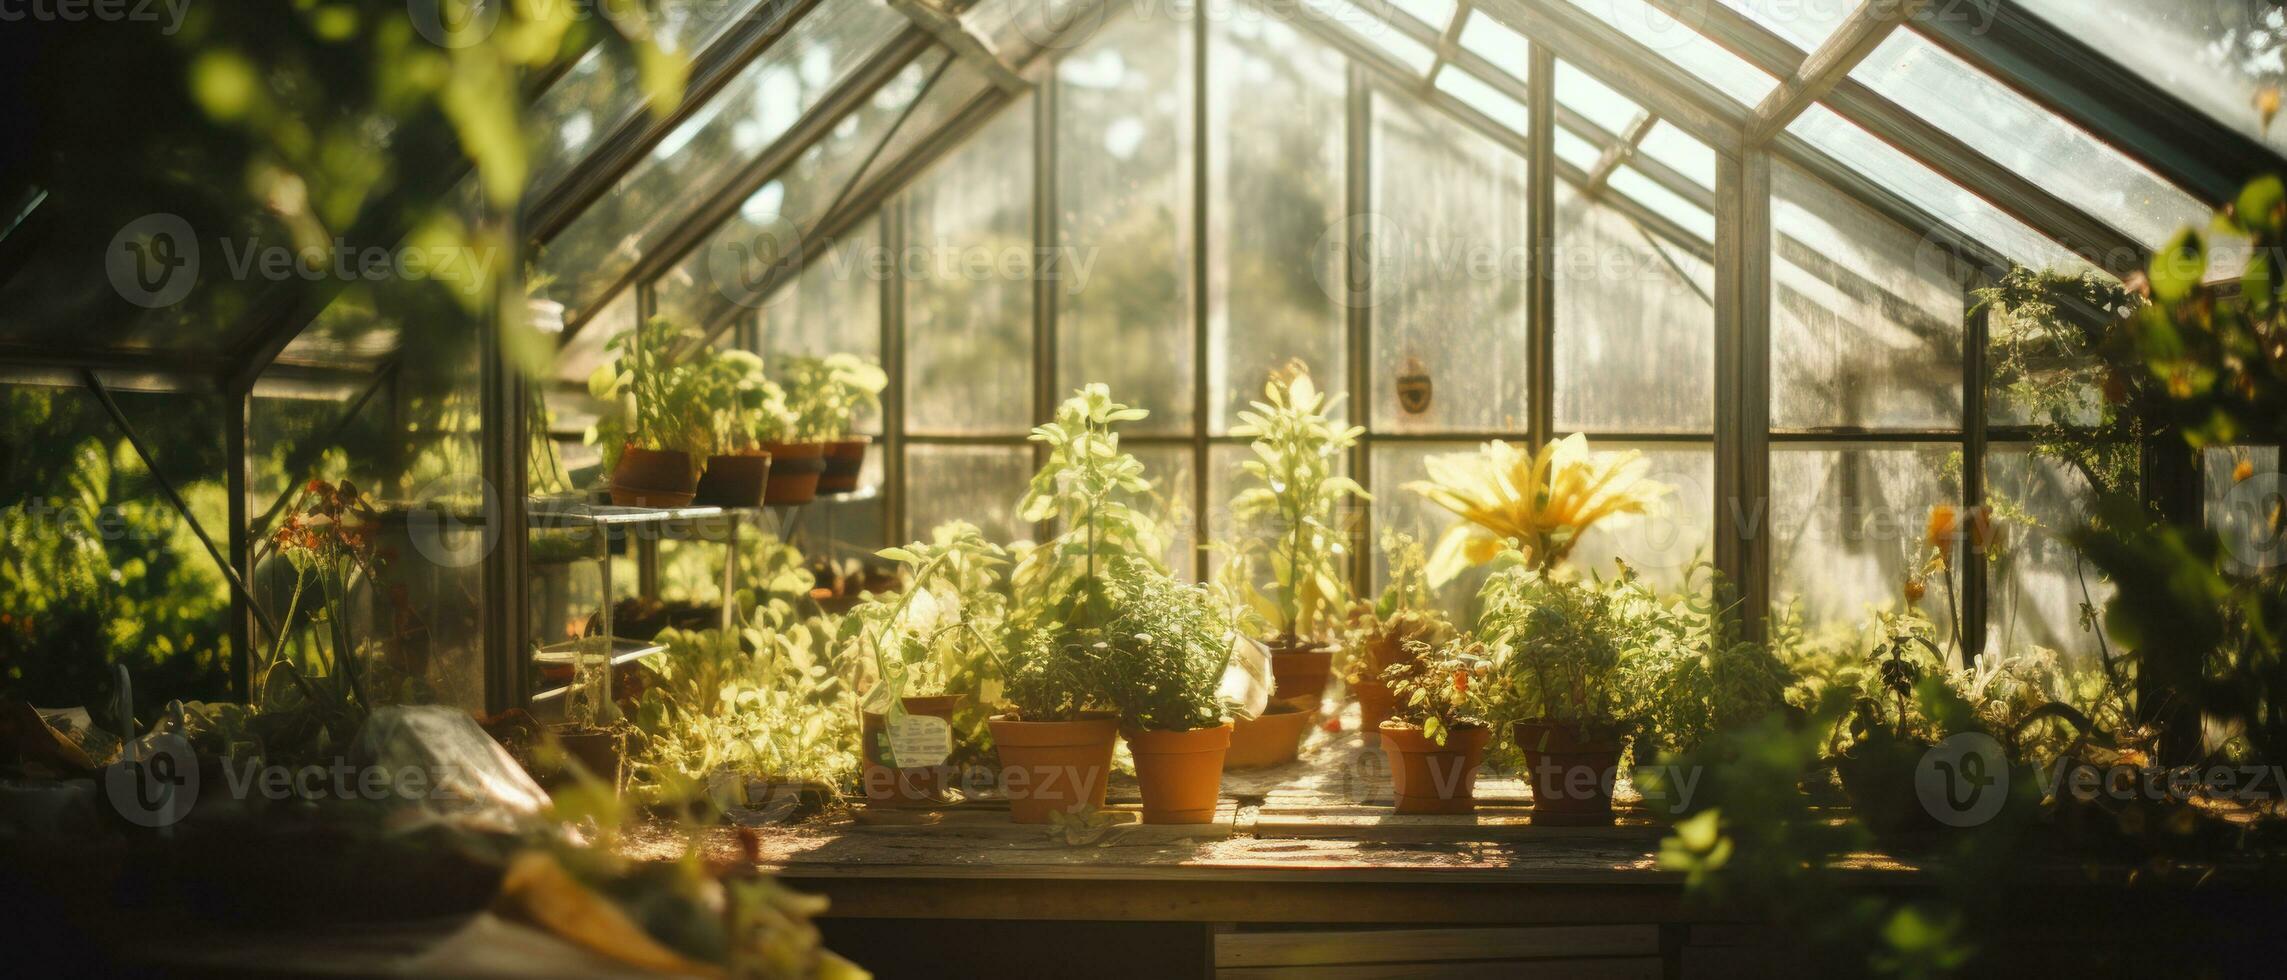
(1163, 488)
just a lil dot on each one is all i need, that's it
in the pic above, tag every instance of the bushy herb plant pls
(1095, 493)
(652, 398)
(1291, 501)
(826, 394)
(1441, 688)
(1161, 658)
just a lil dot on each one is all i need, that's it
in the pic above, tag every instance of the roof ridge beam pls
(956, 36)
(1865, 29)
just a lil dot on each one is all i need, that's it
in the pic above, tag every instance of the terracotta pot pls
(905, 785)
(794, 471)
(1375, 705)
(1180, 773)
(653, 478)
(844, 459)
(1878, 778)
(734, 480)
(1052, 767)
(1572, 771)
(1432, 778)
(597, 752)
(1273, 739)
(1300, 671)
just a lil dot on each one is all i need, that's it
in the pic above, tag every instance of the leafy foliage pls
(1399, 622)
(767, 702)
(1296, 449)
(941, 636)
(1541, 503)
(653, 399)
(1160, 659)
(745, 408)
(1093, 491)
(826, 394)
(1441, 688)
(1563, 643)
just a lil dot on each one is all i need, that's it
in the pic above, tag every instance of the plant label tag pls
(920, 741)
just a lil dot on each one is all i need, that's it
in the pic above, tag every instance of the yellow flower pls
(1543, 501)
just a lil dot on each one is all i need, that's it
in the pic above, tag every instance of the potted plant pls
(826, 394)
(1564, 645)
(928, 648)
(1540, 503)
(1293, 497)
(1436, 734)
(743, 405)
(1393, 629)
(655, 426)
(1695, 679)
(1055, 752)
(1161, 659)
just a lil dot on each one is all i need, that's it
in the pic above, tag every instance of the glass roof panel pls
(602, 90)
(1664, 202)
(1476, 94)
(1018, 28)
(1681, 153)
(723, 273)
(2009, 128)
(1582, 93)
(1926, 189)
(2219, 55)
(1435, 13)
(1376, 32)
(1574, 150)
(1495, 42)
(758, 107)
(1808, 23)
(1685, 45)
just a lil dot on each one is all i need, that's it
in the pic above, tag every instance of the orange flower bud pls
(1915, 590)
(2243, 471)
(1944, 525)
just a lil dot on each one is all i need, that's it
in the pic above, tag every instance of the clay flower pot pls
(1433, 778)
(1180, 773)
(1273, 739)
(844, 459)
(1300, 671)
(734, 480)
(1375, 704)
(906, 785)
(1050, 767)
(1572, 771)
(653, 478)
(794, 471)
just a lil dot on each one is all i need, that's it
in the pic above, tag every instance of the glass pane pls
(580, 355)
(835, 307)
(1846, 529)
(1682, 43)
(2039, 584)
(604, 242)
(978, 484)
(2222, 56)
(1169, 468)
(1863, 332)
(602, 90)
(99, 568)
(968, 288)
(1474, 93)
(1493, 41)
(1125, 185)
(1449, 274)
(1275, 203)
(1402, 510)
(1018, 28)
(1926, 189)
(2244, 501)
(1664, 202)
(1807, 23)
(1681, 153)
(774, 228)
(1435, 13)
(1576, 151)
(1635, 327)
(845, 529)
(1413, 55)
(1599, 103)
(2012, 130)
